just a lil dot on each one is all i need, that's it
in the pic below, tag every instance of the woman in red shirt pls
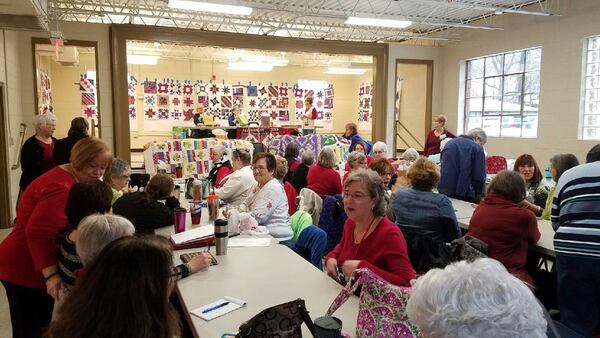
(370, 240)
(505, 225)
(221, 169)
(435, 137)
(28, 268)
(322, 178)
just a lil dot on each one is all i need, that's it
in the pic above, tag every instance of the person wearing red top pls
(322, 178)
(370, 240)
(221, 169)
(435, 137)
(28, 267)
(507, 227)
(355, 161)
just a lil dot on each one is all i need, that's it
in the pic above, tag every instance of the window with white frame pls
(502, 93)
(591, 100)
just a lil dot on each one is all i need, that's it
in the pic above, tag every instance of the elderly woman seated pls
(420, 210)
(478, 299)
(507, 227)
(356, 160)
(535, 183)
(221, 168)
(322, 178)
(370, 240)
(558, 165)
(118, 178)
(144, 208)
(267, 201)
(238, 184)
(409, 157)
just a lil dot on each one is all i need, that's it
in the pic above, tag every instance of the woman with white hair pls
(409, 157)
(322, 178)
(472, 300)
(220, 169)
(36, 153)
(380, 150)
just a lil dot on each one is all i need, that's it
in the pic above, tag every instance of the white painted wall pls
(561, 39)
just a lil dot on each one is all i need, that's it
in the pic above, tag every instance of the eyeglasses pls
(258, 168)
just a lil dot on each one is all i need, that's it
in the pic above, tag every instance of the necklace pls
(363, 236)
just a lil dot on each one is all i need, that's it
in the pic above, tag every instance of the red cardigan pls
(31, 245)
(383, 252)
(508, 229)
(324, 181)
(432, 144)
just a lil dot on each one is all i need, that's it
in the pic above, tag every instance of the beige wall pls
(413, 104)
(561, 39)
(345, 91)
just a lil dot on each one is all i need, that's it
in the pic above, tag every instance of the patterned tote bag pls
(382, 309)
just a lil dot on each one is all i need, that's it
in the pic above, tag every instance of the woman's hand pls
(331, 266)
(53, 286)
(200, 262)
(534, 208)
(349, 266)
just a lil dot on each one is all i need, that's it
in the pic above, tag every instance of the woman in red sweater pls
(370, 240)
(435, 137)
(221, 169)
(28, 268)
(322, 178)
(505, 225)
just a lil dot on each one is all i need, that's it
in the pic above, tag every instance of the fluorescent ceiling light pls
(346, 71)
(275, 61)
(210, 7)
(378, 22)
(251, 66)
(142, 59)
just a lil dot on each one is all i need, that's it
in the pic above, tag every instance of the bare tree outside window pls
(591, 98)
(502, 93)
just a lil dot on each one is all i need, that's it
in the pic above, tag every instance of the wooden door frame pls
(119, 34)
(428, 98)
(75, 43)
(5, 203)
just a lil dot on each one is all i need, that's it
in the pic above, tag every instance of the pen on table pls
(234, 234)
(212, 308)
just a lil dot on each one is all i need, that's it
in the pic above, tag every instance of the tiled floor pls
(5, 328)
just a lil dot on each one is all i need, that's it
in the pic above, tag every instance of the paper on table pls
(234, 304)
(194, 234)
(238, 242)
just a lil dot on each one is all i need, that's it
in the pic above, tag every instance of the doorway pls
(414, 85)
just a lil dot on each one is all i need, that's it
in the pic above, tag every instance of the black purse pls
(283, 321)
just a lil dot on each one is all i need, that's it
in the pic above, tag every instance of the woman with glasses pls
(118, 178)
(267, 201)
(238, 184)
(370, 240)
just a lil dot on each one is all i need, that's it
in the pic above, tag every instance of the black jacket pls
(62, 148)
(299, 177)
(32, 158)
(145, 216)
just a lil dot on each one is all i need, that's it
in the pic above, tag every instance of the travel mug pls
(212, 202)
(195, 213)
(197, 190)
(233, 219)
(328, 327)
(179, 220)
(221, 236)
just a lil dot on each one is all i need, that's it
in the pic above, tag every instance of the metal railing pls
(22, 131)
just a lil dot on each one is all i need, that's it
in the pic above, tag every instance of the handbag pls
(282, 321)
(382, 307)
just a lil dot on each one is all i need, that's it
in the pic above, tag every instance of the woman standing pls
(36, 154)
(62, 149)
(118, 178)
(537, 191)
(370, 240)
(432, 143)
(221, 169)
(309, 116)
(28, 267)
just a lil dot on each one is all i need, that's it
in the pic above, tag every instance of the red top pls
(383, 252)
(313, 113)
(432, 144)
(369, 160)
(508, 229)
(47, 160)
(346, 174)
(223, 172)
(323, 181)
(294, 165)
(31, 245)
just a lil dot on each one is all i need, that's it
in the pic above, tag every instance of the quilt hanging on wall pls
(322, 93)
(89, 105)
(131, 86)
(365, 101)
(45, 94)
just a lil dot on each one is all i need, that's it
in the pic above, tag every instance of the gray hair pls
(374, 186)
(478, 134)
(355, 157)
(308, 157)
(327, 158)
(281, 168)
(563, 162)
(380, 146)
(243, 155)
(117, 169)
(42, 119)
(96, 231)
(478, 299)
(410, 154)
(220, 149)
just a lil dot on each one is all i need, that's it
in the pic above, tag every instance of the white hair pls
(355, 157)
(478, 134)
(443, 143)
(96, 231)
(472, 300)
(42, 119)
(220, 149)
(410, 154)
(380, 146)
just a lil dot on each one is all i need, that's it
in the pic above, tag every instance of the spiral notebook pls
(218, 308)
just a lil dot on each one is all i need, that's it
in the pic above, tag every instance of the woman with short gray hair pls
(356, 160)
(370, 240)
(118, 178)
(37, 151)
(558, 165)
(220, 169)
(472, 300)
(322, 178)
(380, 150)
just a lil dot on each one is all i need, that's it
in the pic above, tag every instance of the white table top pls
(263, 277)
(544, 246)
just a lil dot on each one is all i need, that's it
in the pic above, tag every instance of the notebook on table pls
(218, 308)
